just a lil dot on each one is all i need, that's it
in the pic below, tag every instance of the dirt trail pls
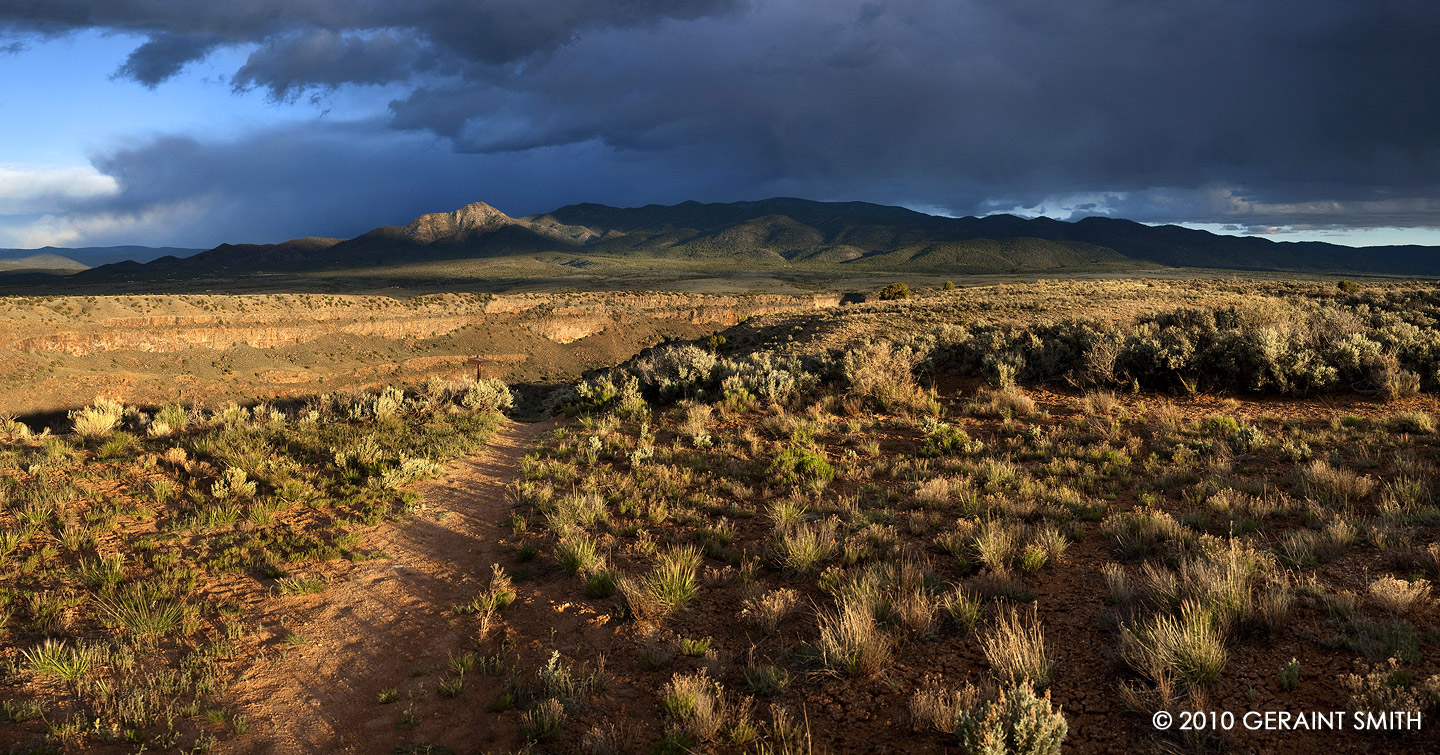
(386, 623)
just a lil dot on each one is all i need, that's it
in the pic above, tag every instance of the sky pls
(172, 122)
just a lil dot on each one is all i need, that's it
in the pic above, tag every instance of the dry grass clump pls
(574, 513)
(1389, 687)
(853, 642)
(543, 721)
(1167, 415)
(1009, 401)
(1223, 579)
(896, 594)
(1334, 486)
(995, 545)
(941, 490)
(1098, 403)
(579, 554)
(1302, 548)
(1392, 381)
(1231, 502)
(1190, 646)
(1117, 585)
(880, 376)
(962, 608)
(769, 610)
(1417, 422)
(957, 541)
(1428, 559)
(804, 547)
(696, 419)
(606, 739)
(99, 419)
(1137, 532)
(1399, 596)
(937, 706)
(1015, 647)
(1274, 604)
(697, 709)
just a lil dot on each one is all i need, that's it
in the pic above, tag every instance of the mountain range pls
(787, 233)
(81, 258)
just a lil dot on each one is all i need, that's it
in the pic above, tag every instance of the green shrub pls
(1221, 426)
(1017, 723)
(1289, 676)
(798, 467)
(486, 395)
(942, 439)
(894, 292)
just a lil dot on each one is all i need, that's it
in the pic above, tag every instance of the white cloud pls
(76, 229)
(37, 189)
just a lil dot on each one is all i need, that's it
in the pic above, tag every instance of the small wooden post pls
(479, 363)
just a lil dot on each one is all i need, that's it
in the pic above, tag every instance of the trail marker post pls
(479, 363)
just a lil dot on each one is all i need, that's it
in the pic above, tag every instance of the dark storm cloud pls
(1309, 114)
(164, 55)
(489, 31)
(340, 180)
(319, 58)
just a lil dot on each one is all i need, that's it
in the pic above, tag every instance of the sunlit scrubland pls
(937, 521)
(114, 537)
(854, 534)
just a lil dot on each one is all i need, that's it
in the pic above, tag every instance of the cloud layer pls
(1305, 114)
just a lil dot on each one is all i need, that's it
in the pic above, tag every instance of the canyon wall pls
(60, 352)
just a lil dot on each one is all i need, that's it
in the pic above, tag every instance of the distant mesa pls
(45, 262)
(784, 233)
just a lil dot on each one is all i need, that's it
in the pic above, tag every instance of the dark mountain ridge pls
(790, 232)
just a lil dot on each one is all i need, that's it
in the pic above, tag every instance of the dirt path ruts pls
(385, 624)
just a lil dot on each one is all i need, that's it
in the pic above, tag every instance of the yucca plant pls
(144, 612)
(579, 554)
(56, 658)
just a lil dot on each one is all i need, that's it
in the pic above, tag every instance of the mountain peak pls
(472, 217)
